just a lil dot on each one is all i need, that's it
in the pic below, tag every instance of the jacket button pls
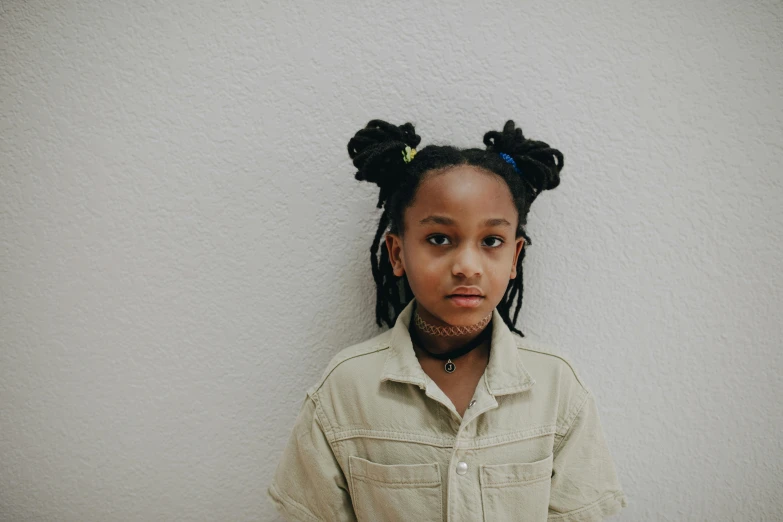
(462, 468)
(472, 402)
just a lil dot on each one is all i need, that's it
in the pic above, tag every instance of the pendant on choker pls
(449, 366)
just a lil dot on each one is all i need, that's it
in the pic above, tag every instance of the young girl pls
(451, 414)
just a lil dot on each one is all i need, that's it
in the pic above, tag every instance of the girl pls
(451, 414)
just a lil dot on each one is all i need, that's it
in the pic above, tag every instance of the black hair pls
(378, 154)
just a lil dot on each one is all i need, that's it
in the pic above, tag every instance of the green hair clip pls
(408, 153)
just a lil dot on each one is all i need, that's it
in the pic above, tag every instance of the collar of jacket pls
(505, 372)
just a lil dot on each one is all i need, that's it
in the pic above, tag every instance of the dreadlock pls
(377, 154)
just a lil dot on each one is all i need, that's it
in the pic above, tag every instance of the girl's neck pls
(477, 357)
(443, 343)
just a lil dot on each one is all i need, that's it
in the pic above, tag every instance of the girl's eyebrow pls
(443, 220)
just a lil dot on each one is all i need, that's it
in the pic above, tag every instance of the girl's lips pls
(466, 301)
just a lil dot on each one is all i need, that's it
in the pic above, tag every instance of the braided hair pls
(378, 154)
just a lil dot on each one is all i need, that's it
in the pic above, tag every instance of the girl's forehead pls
(463, 186)
(464, 194)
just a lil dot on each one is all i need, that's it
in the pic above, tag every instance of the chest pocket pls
(391, 493)
(517, 491)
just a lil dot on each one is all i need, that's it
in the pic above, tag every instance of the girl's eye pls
(436, 236)
(500, 241)
(492, 238)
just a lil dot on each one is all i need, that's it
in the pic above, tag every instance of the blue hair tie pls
(510, 160)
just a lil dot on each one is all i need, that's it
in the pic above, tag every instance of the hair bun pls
(540, 164)
(376, 151)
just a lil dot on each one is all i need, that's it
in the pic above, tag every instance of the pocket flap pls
(420, 474)
(516, 472)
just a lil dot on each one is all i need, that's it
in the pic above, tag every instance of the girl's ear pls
(394, 247)
(519, 243)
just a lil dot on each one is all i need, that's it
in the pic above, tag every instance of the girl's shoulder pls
(537, 353)
(526, 343)
(369, 352)
(557, 375)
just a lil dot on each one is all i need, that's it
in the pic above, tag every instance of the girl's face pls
(459, 232)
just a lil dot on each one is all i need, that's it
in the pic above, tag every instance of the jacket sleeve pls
(308, 484)
(584, 484)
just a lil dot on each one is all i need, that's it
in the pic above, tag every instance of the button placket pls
(462, 449)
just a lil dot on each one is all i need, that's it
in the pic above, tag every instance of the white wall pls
(183, 246)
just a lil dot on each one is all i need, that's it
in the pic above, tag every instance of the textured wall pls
(183, 246)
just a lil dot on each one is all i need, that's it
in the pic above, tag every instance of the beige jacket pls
(377, 440)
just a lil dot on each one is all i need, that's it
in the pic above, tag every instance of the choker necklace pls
(449, 331)
(458, 352)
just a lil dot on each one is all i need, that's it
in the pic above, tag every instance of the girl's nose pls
(467, 263)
